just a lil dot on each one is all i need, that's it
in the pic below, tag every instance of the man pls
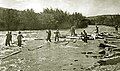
(85, 36)
(11, 37)
(57, 33)
(116, 28)
(72, 31)
(97, 29)
(19, 38)
(48, 35)
(7, 39)
(82, 36)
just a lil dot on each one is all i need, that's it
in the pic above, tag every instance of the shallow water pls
(51, 56)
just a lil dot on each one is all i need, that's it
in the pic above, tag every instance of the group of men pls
(84, 35)
(72, 31)
(57, 35)
(9, 39)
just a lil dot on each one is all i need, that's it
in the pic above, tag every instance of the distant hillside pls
(109, 20)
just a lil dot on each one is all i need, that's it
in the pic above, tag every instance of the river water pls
(51, 56)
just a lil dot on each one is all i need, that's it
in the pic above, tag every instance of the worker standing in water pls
(57, 34)
(97, 29)
(82, 36)
(85, 36)
(72, 30)
(7, 42)
(48, 35)
(116, 28)
(19, 38)
(11, 37)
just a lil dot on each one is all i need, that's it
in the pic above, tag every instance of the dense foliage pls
(109, 20)
(11, 19)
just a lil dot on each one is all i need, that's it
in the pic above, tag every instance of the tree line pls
(108, 20)
(12, 19)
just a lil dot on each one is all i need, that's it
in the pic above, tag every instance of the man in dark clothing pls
(82, 36)
(97, 29)
(49, 35)
(116, 28)
(8, 39)
(85, 36)
(11, 37)
(19, 38)
(57, 33)
(72, 30)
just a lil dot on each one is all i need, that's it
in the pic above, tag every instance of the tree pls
(11, 19)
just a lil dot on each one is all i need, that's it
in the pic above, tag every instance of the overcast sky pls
(86, 7)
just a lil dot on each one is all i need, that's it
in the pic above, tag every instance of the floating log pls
(35, 48)
(38, 39)
(117, 37)
(75, 60)
(99, 37)
(112, 55)
(63, 36)
(109, 61)
(96, 56)
(106, 34)
(90, 38)
(89, 52)
(116, 50)
(73, 37)
(102, 52)
(83, 52)
(109, 55)
(114, 42)
(14, 53)
(66, 43)
(117, 54)
(111, 36)
(107, 45)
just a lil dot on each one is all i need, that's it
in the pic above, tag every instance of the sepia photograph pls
(59, 35)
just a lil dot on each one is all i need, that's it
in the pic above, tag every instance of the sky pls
(86, 7)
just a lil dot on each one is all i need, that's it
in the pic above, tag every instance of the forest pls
(108, 20)
(12, 19)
